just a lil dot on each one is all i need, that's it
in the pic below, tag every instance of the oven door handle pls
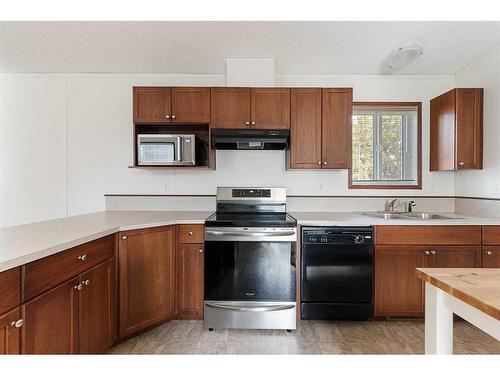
(250, 234)
(221, 306)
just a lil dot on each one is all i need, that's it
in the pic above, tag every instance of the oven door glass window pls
(249, 271)
(157, 152)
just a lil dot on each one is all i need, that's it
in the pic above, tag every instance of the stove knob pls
(359, 239)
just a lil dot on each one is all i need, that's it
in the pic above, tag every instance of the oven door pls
(250, 264)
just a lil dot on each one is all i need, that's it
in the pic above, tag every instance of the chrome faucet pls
(411, 204)
(389, 206)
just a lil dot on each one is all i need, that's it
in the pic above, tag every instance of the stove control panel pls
(251, 193)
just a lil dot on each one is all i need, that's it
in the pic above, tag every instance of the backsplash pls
(294, 203)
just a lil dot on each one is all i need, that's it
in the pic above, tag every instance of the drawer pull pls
(124, 237)
(78, 287)
(17, 323)
(488, 252)
(200, 251)
(427, 252)
(86, 282)
(190, 233)
(83, 257)
(433, 252)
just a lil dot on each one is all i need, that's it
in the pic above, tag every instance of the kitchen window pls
(386, 146)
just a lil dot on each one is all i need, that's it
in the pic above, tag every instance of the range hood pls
(250, 139)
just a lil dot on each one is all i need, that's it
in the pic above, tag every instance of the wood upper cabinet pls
(10, 289)
(230, 107)
(165, 105)
(398, 292)
(305, 128)
(452, 256)
(152, 105)
(10, 332)
(456, 134)
(190, 105)
(97, 309)
(189, 301)
(336, 128)
(270, 108)
(51, 321)
(146, 277)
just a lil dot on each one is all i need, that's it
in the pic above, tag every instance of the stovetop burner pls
(219, 219)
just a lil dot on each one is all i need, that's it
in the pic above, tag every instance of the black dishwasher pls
(337, 273)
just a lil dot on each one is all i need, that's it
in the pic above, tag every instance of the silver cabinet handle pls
(433, 252)
(200, 251)
(173, 117)
(319, 162)
(86, 282)
(247, 123)
(17, 323)
(461, 163)
(78, 287)
(167, 117)
(83, 257)
(253, 123)
(488, 252)
(325, 163)
(427, 252)
(190, 233)
(124, 237)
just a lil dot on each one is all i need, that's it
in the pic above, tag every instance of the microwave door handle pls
(178, 149)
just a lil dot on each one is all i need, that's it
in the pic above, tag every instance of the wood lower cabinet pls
(146, 278)
(10, 289)
(456, 130)
(491, 257)
(336, 128)
(190, 270)
(97, 328)
(305, 128)
(398, 292)
(10, 332)
(51, 321)
(452, 256)
(230, 108)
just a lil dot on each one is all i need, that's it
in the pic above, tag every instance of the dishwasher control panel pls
(337, 235)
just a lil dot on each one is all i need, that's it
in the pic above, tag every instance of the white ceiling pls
(201, 47)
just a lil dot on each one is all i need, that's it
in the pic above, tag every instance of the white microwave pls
(166, 149)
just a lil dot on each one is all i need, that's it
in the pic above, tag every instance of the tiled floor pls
(314, 337)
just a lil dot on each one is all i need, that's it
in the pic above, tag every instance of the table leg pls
(438, 322)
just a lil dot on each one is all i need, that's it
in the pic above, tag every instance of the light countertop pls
(26, 243)
(479, 287)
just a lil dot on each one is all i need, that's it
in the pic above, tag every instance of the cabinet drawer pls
(191, 233)
(491, 235)
(10, 289)
(427, 235)
(46, 273)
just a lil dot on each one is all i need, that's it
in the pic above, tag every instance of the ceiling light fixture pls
(402, 56)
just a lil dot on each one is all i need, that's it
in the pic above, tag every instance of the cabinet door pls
(491, 257)
(189, 302)
(452, 256)
(10, 332)
(270, 108)
(442, 132)
(51, 321)
(336, 128)
(191, 105)
(305, 129)
(398, 292)
(152, 105)
(97, 308)
(146, 260)
(10, 289)
(469, 118)
(230, 107)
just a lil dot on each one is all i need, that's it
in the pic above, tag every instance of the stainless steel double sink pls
(409, 215)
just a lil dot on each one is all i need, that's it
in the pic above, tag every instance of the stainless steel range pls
(250, 261)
